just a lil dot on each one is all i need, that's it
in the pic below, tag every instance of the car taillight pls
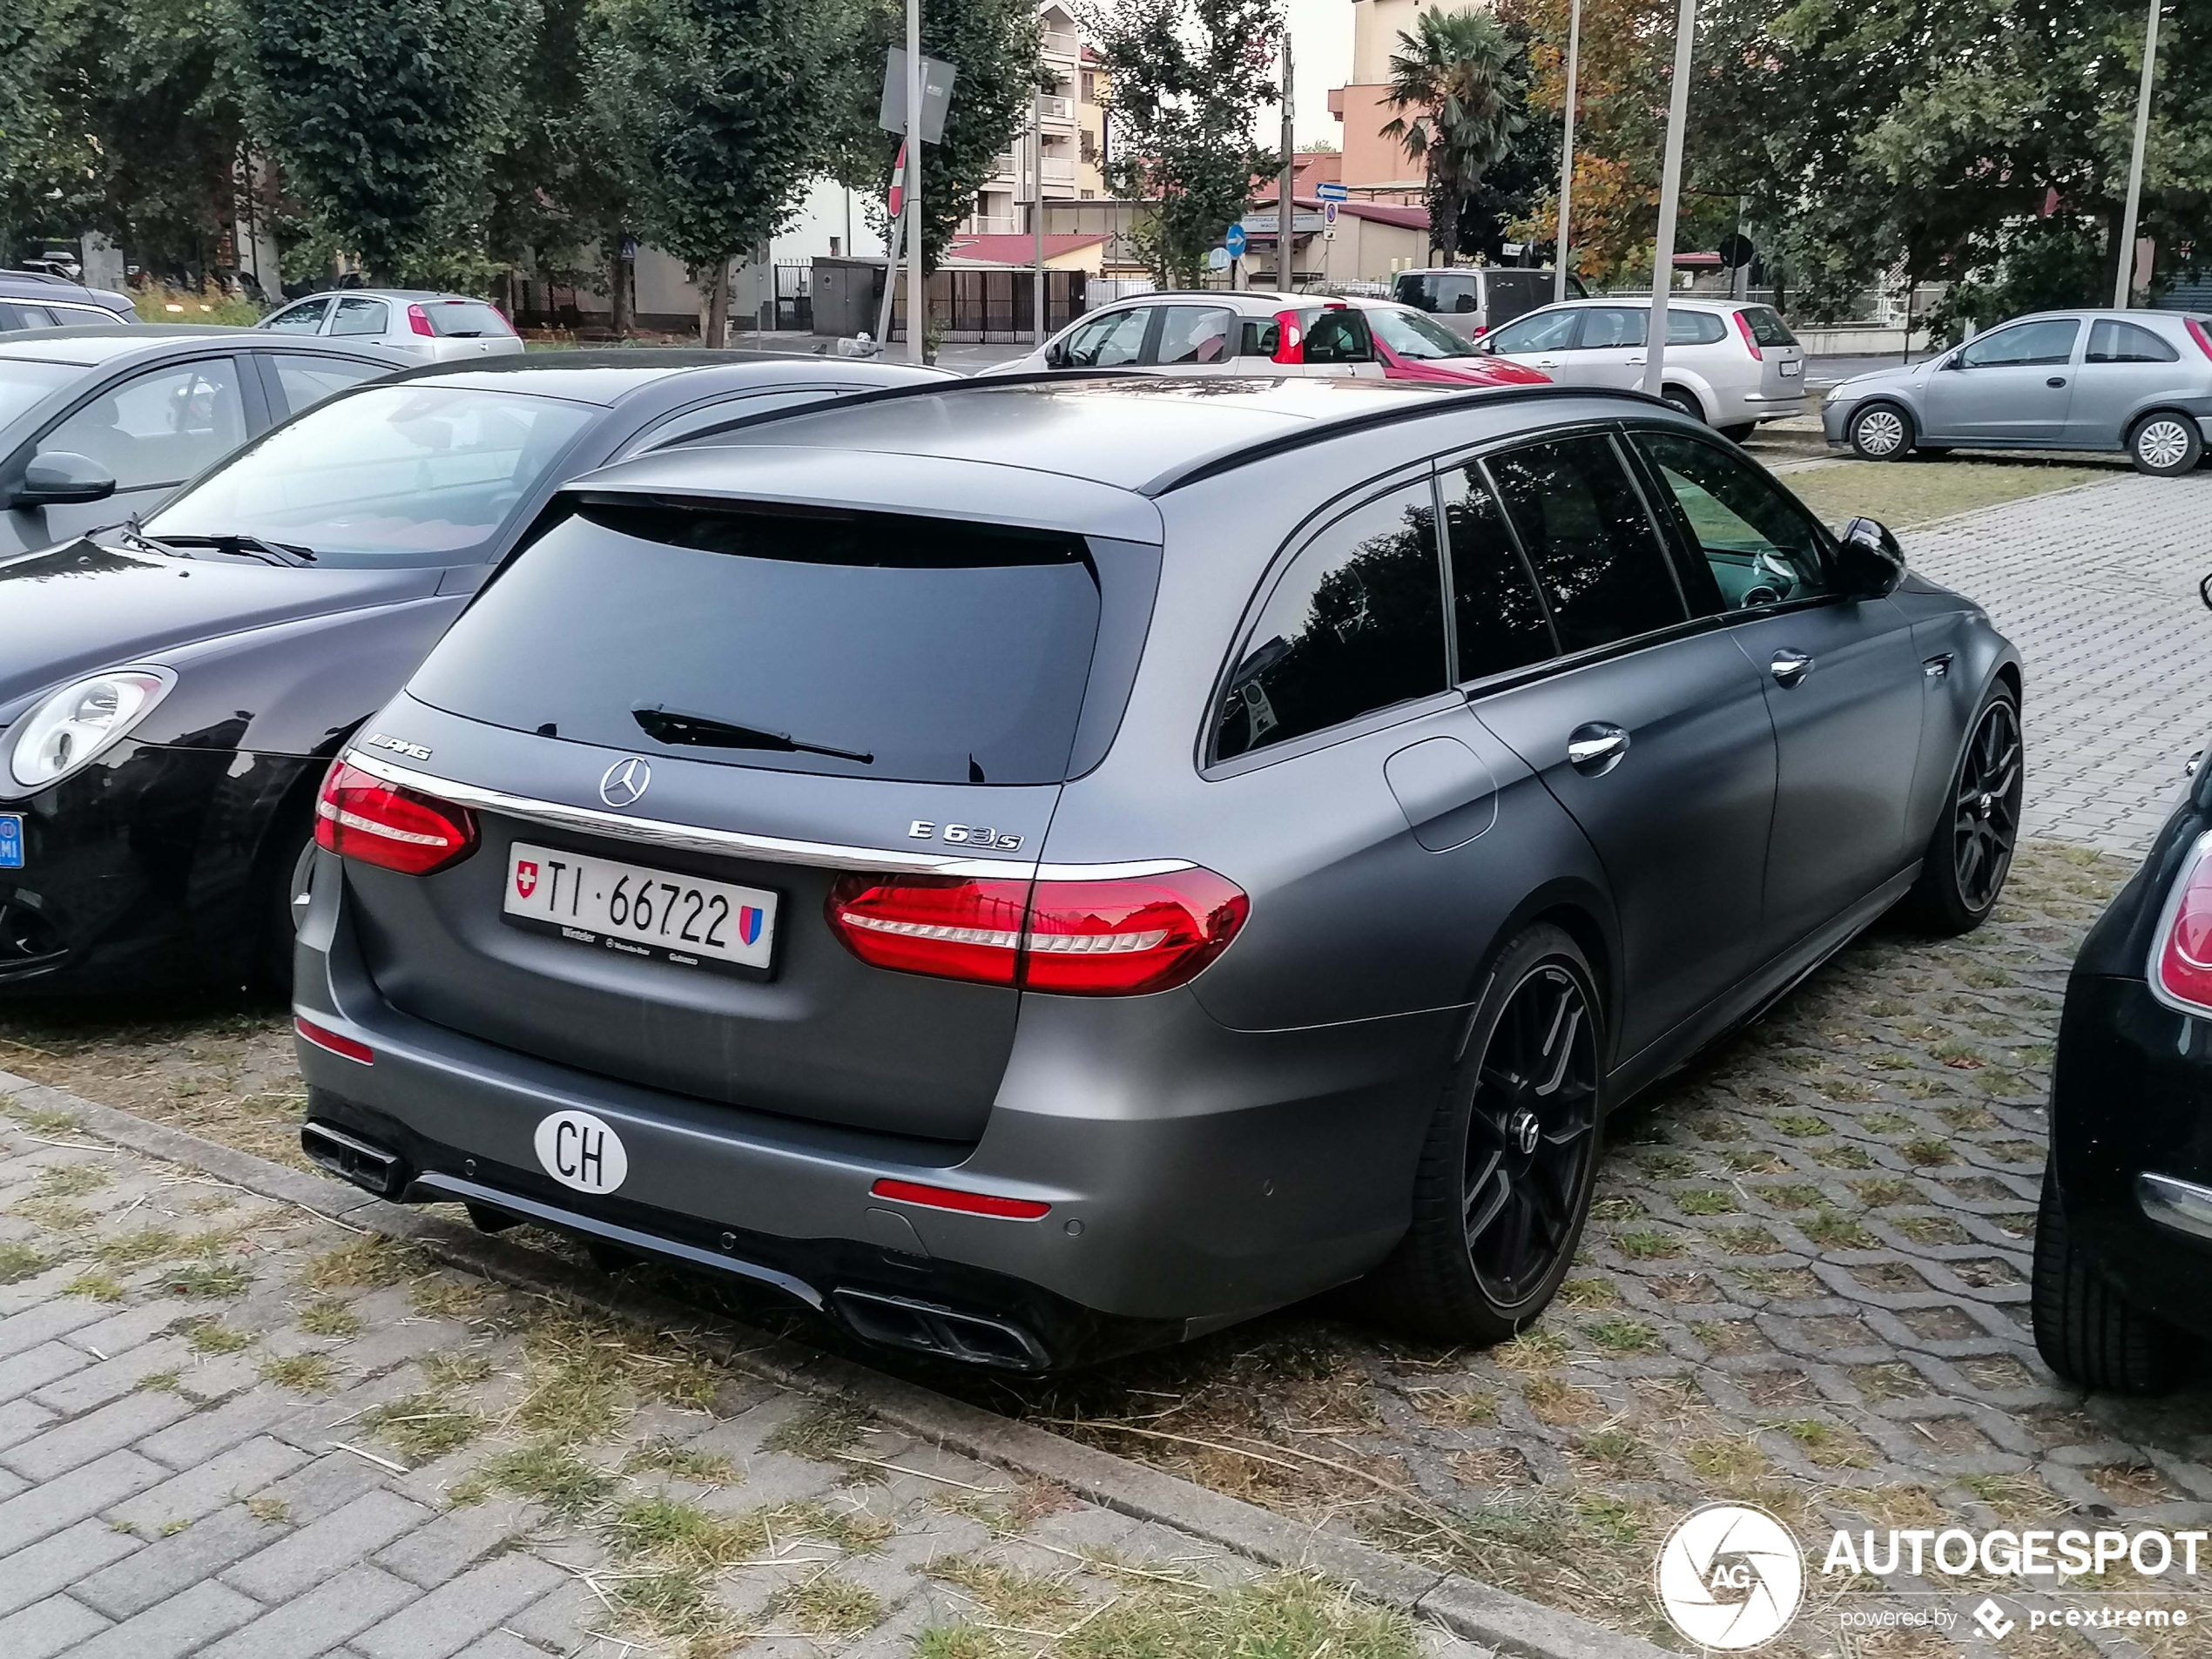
(1114, 937)
(323, 1037)
(2199, 334)
(418, 320)
(1751, 340)
(2182, 966)
(968, 1204)
(1290, 338)
(361, 817)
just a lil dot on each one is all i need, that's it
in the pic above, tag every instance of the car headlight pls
(73, 725)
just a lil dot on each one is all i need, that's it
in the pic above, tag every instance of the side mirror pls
(1870, 561)
(1486, 344)
(59, 478)
(1056, 355)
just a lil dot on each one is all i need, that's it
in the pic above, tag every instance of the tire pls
(1970, 851)
(1676, 397)
(1503, 1186)
(286, 868)
(2165, 445)
(2085, 1329)
(1740, 432)
(1880, 431)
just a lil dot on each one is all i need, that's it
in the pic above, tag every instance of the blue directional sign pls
(1332, 193)
(1234, 241)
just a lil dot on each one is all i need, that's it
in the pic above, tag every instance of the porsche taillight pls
(362, 817)
(1118, 936)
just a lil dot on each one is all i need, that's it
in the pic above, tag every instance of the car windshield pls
(414, 474)
(23, 384)
(1411, 334)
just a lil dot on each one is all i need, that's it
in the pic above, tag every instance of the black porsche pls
(170, 692)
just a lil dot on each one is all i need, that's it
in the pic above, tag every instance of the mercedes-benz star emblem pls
(622, 784)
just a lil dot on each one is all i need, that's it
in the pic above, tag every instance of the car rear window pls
(870, 645)
(465, 319)
(1515, 293)
(1433, 291)
(1767, 326)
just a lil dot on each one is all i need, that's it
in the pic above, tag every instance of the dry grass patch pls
(20, 1261)
(368, 1263)
(827, 1605)
(209, 1336)
(208, 1281)
(71, 1180)
(550, 1474)
(440, 1296)
(1010, 1596)
(424, 1425)
(663, 1456)
(303, 1373)
(327, 1316)
(821, 1429)
(96, 1286)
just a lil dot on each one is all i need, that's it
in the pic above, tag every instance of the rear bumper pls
(1777, 406)
(2131, 1144)
(1194, 1175)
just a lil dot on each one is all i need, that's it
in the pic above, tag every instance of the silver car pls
(1729, 364)
(430, 327)
(2135, 381)
(1471, 299)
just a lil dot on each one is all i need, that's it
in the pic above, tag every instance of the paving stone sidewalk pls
(229, 1427)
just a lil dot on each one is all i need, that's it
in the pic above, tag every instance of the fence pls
(994, 306)
(794, 296)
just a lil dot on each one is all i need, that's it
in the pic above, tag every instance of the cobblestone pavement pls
(2097, 587)
(230, 1427)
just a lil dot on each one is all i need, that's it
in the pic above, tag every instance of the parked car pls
(432, 328)
(97, 424)
(1471, 299)
(2123, 1243)
(35, 299)
(1412, 345)
(2135, 381)
(1030, 869)
(170, 693)
(1235, 331)
(1730, 365)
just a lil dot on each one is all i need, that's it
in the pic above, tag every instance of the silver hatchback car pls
(2135, 381)
(430, 327)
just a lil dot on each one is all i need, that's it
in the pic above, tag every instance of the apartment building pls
(1067, 145)
(1376, 168)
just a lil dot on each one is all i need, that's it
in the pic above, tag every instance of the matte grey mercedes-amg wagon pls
(1035, 868)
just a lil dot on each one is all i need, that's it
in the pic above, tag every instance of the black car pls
(172, 691)
(37, 300)
(96, 424)
(2123, 1246)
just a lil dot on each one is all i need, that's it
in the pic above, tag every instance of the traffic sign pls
(1217, 258)
(1328, 213)
(1736, 250)
(1332, 193)
(936, 94)
(1234, 241)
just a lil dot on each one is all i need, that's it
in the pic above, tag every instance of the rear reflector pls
(1120, 937)
(322, 1038)
(969, 1203)
(1751, 340)
(2182, 964)
(362, 817)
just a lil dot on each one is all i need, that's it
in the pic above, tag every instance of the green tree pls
(714, 104)
(1458, 83)
(44, 160)
(1189, 77)
(384, 115)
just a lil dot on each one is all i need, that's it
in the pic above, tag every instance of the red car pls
(1414, 346)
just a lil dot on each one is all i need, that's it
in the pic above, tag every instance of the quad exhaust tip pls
(367, 1166)
(926, 1327)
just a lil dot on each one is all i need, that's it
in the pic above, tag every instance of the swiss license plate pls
(10, 841)
(1791, 370)
(635, 911)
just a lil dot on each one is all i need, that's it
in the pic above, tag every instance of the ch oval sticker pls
(581, 1152)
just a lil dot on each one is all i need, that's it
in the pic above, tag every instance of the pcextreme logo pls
(1731, 1576)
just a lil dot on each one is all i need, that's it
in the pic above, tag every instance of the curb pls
(1475, 1611)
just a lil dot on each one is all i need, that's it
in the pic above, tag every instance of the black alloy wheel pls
(1963, 871)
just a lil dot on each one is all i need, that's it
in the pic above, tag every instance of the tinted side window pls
(1194, 334)
(304, 382)
(2113, 341)
(1611, 327)
(2023, 344)
(1692, 328)
(1356, 623)
(1339, 336)
(1760, 547)
(359, 317)
(1513, 293)
(1767, 326)
(158, 428)
(1546, 331)
(1588, 540)
(1109, 340)
(1500, 620)
(14, 314)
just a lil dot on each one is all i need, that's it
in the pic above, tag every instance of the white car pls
(430, 327)
(1730, 364)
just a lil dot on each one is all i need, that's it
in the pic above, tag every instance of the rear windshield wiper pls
(700, 731)
(250, 546)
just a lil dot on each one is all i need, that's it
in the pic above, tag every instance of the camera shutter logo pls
(1731, 1576)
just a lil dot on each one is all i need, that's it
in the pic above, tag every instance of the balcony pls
(1002, 165)
(993, 225)
(1061, 109)
(1060, 44)
(1057, 170)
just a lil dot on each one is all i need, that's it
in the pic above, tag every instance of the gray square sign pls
(936, 95)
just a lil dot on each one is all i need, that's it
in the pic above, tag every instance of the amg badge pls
(412, 751)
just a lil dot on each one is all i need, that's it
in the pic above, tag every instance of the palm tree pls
(1458, 83)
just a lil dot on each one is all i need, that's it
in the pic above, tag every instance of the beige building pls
(1377, 168)
(1066, 144)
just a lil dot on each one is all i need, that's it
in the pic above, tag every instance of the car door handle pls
(1596, 748)
(2055, 379)
(1635, 362)
(1789, 666)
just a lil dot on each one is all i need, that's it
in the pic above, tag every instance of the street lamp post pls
(1663, 254)
(917, 300)
(2124, 287)
(1285, 206)
(1567, 148)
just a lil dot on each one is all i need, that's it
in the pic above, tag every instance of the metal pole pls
(917, 296)
(2124, 287)
(1285, 203)
(896, 240)
(1036, 207)
(1567, 148)
(1662, 252)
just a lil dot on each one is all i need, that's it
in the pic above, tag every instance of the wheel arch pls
(1585, 914)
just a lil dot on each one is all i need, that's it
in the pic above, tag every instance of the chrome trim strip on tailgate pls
(769, 849)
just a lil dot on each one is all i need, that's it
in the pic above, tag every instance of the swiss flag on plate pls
(525, 878)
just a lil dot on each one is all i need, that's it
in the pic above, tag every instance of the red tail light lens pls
(322, 1037)
(419, 320)
(1751, 340)
(969, 1203)
(2182, 960)
(1290, 338)
(1120, 937)
(364, 818)
(2199, 334)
